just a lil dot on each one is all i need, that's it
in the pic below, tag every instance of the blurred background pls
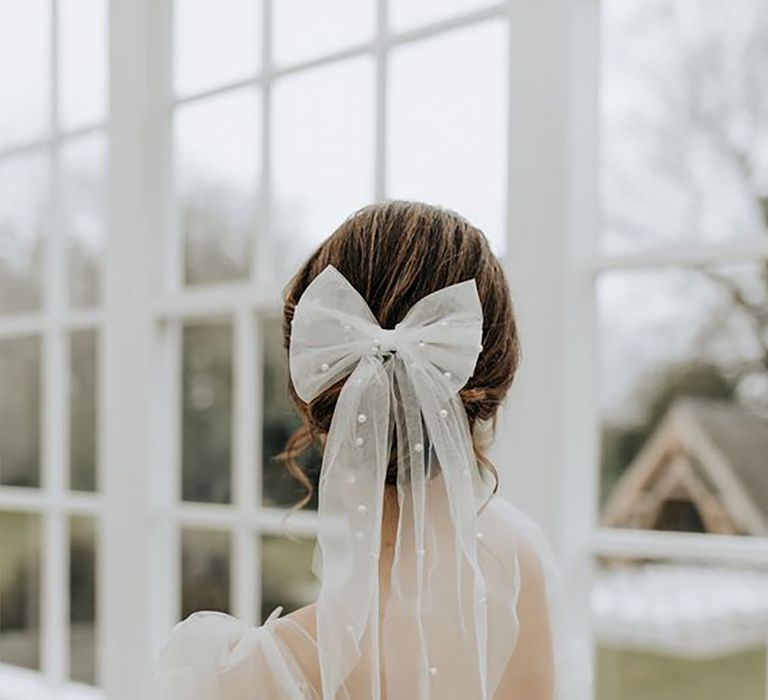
(165, 165)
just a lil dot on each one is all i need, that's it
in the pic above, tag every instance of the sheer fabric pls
(214, 656)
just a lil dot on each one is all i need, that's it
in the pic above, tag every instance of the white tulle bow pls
(402, 382)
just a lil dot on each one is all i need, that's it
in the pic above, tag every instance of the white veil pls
(403, 382)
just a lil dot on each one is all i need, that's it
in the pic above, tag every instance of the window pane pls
(82, 599)
(83, 420)
(82, 62)
(279, 488)
(303, 29)
(217, 184)
(684, 375)
(20, 590)
(25, 71)
(680, 631)
(20, 392)
(447, 124)
(207, 413)
(215, 43)
(286, 574)
(205, 571)
(323, 155)
(404, 14)
(683, 95)
(23, 211)
(83, 203)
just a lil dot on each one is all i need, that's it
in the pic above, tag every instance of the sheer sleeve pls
(214, 656)
(543, 614)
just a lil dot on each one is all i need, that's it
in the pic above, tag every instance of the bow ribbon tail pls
(349, 528)
(411, 481)
(448, 427)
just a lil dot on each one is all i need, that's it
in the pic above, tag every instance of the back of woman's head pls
(394, 253)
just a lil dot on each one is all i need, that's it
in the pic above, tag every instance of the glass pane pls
(82, 599)
(323, 165)
(682, 100)
(82, 62)
(215, 43)
(20, 590)
(25, 71)
(217, 174)
(685, 399)
(83, 205)
(83, 415)
(23, 212)
(279, 488)
(303, 29)
(205, 571)
(286, 574)
(666, 631)
(447, 117)
(404, 14)
(20, 413)
(207, 413)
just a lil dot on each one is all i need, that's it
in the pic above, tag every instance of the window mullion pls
(263, 250)
(127, 391)
(55, 651)
(244, 462)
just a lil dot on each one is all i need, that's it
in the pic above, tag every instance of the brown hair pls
(394, 253)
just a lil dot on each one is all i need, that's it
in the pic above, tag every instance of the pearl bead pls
(418, 447)
(421, 343)
(359, 535)
(359, 440)
(443, 323)
(376, 342)
(347, 327)
(350, 629)
(351, 479)
(361, 418)
(421, 552)
(480, 347)
(479, 535)
(433, 671)
(362, 509)
(443, 413)
(325, 367)
(447, 375)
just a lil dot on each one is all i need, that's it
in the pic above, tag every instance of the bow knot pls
(387, 339)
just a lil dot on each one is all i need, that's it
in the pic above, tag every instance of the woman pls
(402, 344)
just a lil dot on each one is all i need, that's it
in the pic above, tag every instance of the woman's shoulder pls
(216, 656)
(516, 537)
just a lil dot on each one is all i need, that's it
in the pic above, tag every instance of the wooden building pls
(704, 469)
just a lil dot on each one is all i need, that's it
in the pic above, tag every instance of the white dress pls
(214, 656)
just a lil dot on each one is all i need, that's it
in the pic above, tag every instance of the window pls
(682, 295)
(270, 148)
(53, 166)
